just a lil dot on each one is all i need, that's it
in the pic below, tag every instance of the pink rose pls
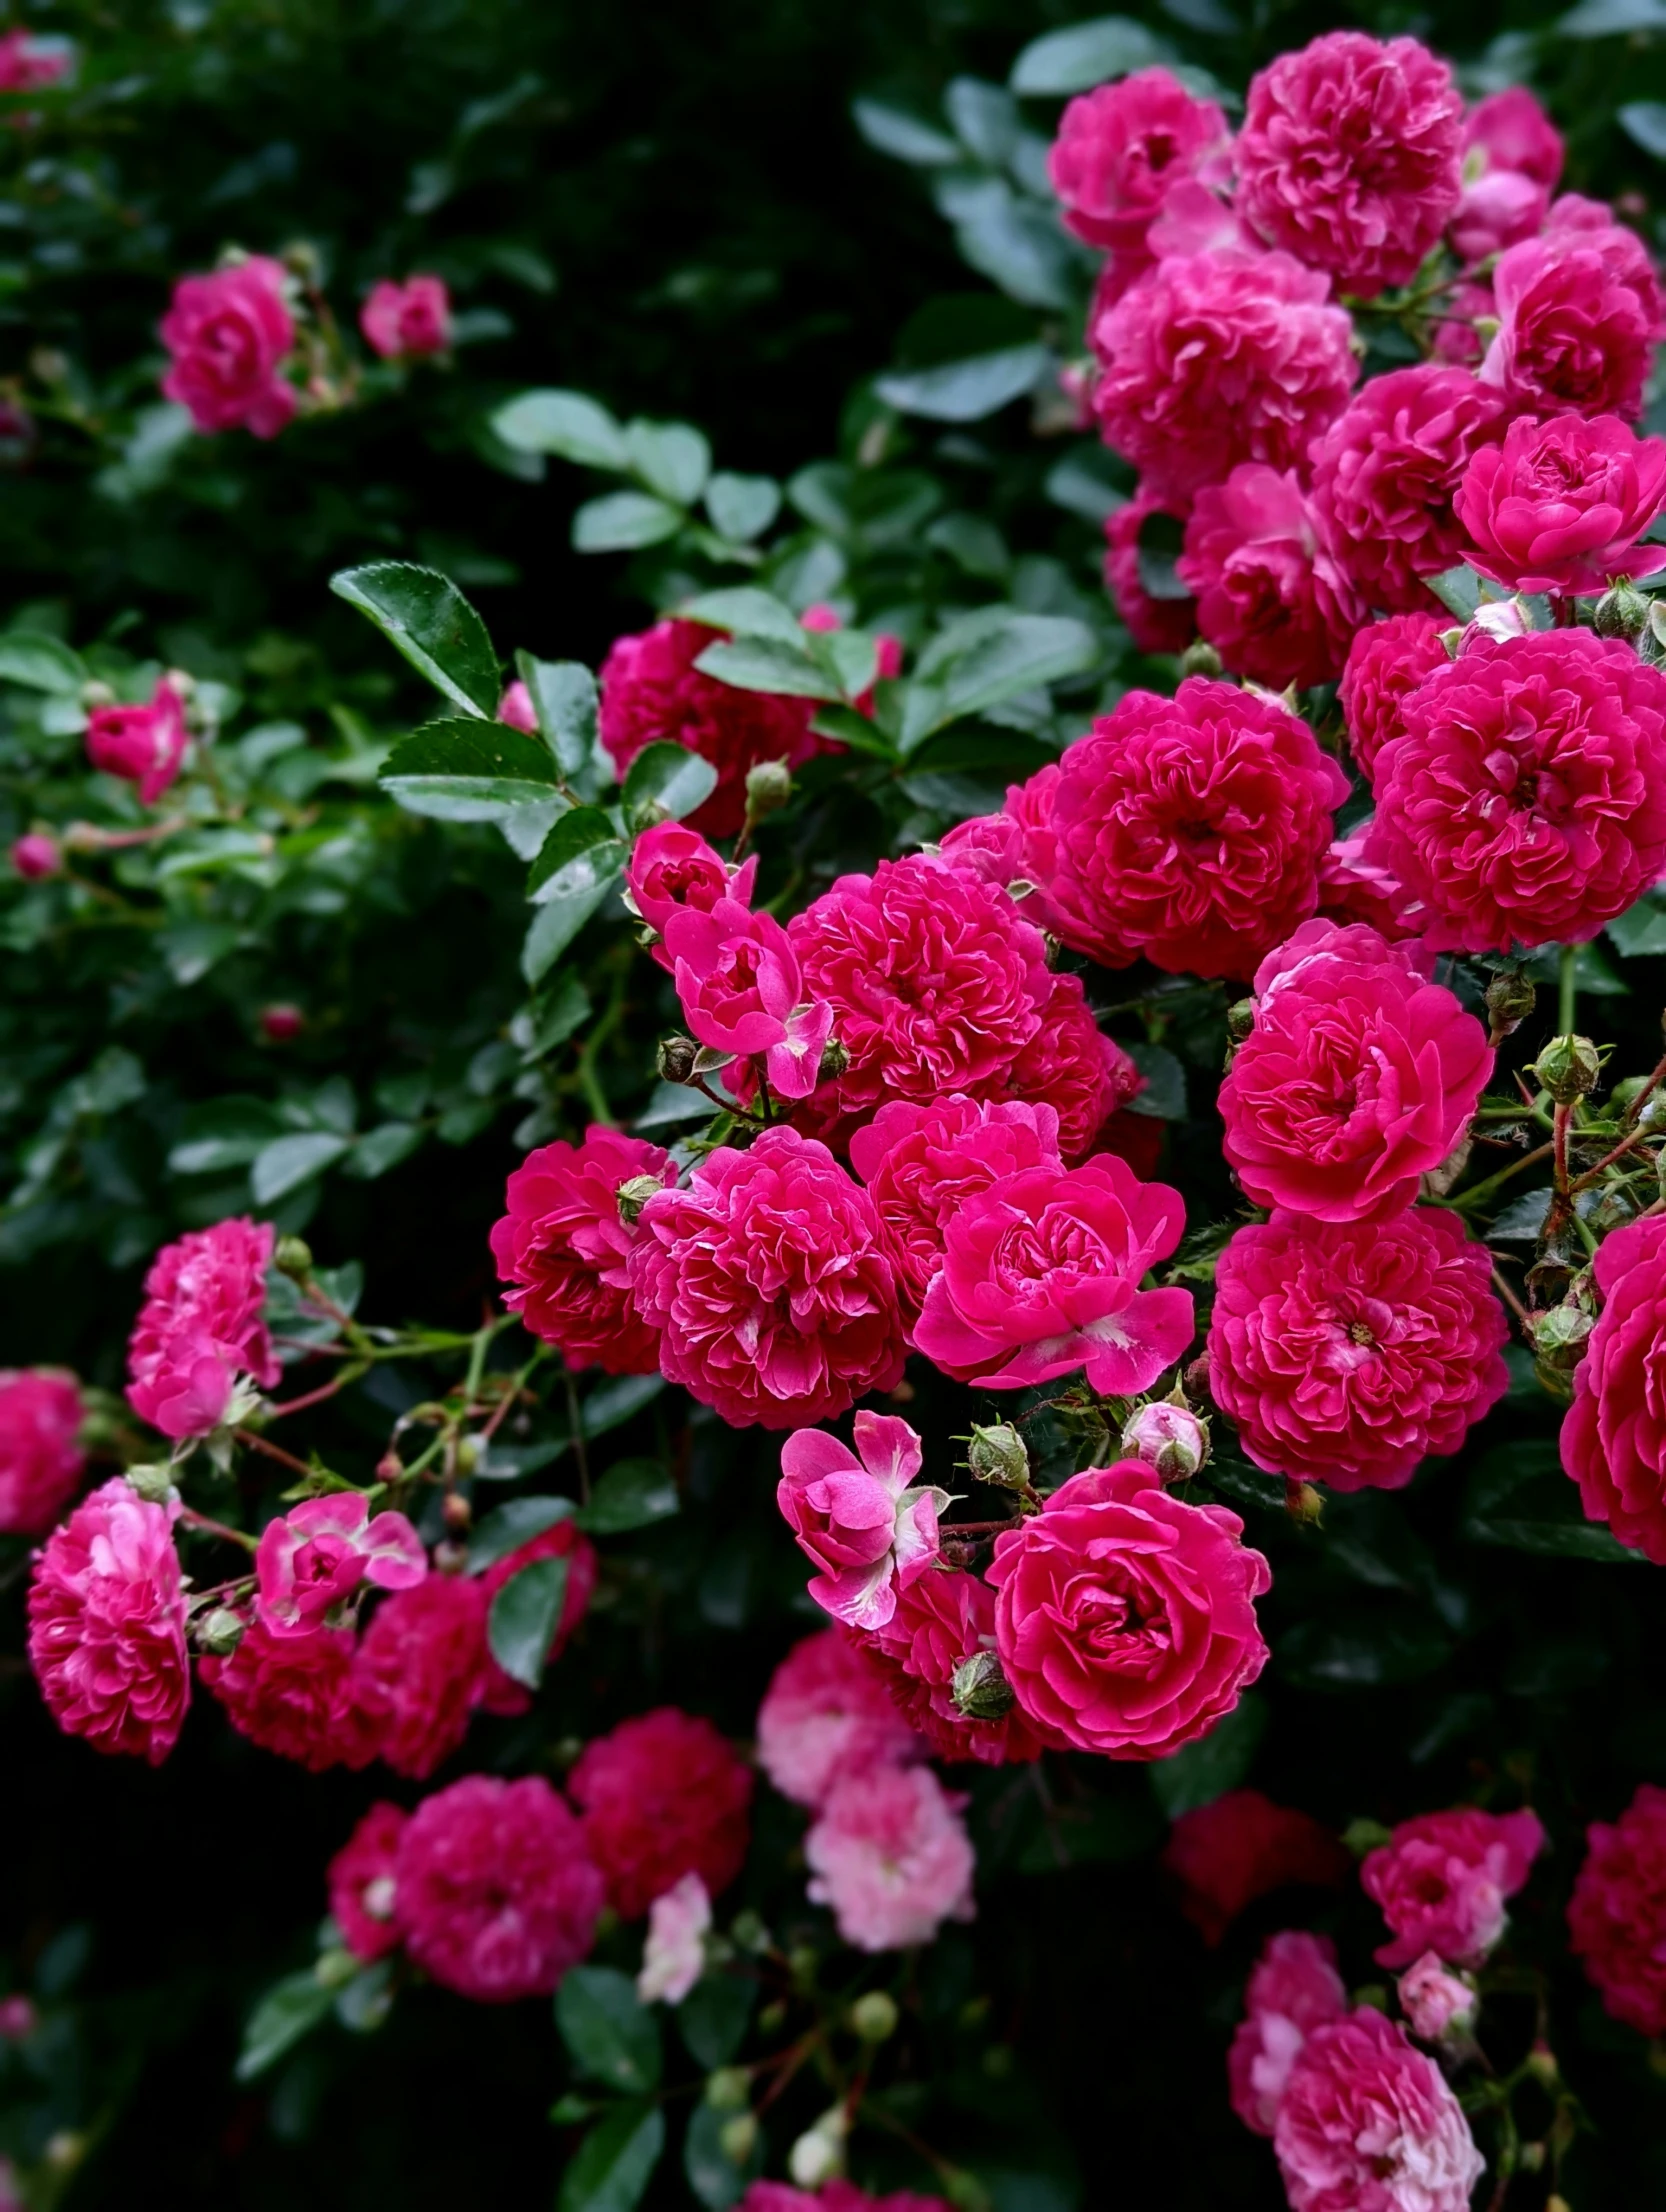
(1270, 598)
(312, 1559)
(1358, 1077)
(828, 1712)
(421, 1670)
(1041, 1275)
(943, 1619)
(672, 868)
(1124, 1618)
(27, 63)
(409, 321)
(1349, 157)
(1613, 1438)
(1385, 475)
(1435, 2001)
(1354, 887)
(143, 745)
(769, 1278)
(1368, 2124)
(1442, 1880)
(1347, 1351)
(201, 1326)
(1073, 1069)
(36, 856)
(1241, 1847)
(861, 1517)
(738, 978)
(1293, 1988)
(230, 333)
(1617, 1914)
(41, 1460)
(362, 1883)
(663, 1796)
(1579, 310)
(1525, 799)
(1155, 625)
(1561, 504)
(1119, 149)
(1386, 663)
(674, 1954)
(889, 1855)
(1512, 160)
(565, 1248)
(1213, 359)
(1190, 830)
(297, 1696)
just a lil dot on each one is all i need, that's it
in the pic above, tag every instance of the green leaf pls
(560, 917)
(1218, 1763)
(459, 771)
(1016, 244)
(525, 1615)
(623, 521)
(571, 424)
(985, 119)
(1458, 590)
(1640, 931)
(1087, 54)
(903, 136)
(1083, 483)
(965, 391)
(612, 2167)
(670, 778)
(381, 1149)
(288, 1162)
(1157, 552)
(224, 1133)
(749, 613)
(1520, 1499)
(759, 664)
(564, 700)
(717, 2182)
(424, 616)
(1374, 1647)
(289, 2010)
(989, 657)
(633, 1494)
(974, 544)
(1612, 18)
(37, 662)
(582, 852)
(742, 507)
(712, 2018)
(1645, 121)
(610, 2034)
(1164, 1095)
(513, 1524)
(671, 458)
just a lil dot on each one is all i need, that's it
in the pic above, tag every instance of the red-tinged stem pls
(312, 1398)
(193, 1519)
(258, 1443)
(1509, 1297)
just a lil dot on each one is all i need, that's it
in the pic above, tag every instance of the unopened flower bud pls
(390, 1468)
(1559, 1336)
(728, 2088)
(36, 856)
(1622, 611)
(738, 2138)
(819, 2153)
(979, 1687)
(17, 2019)
(1567, 1068)
(997, 1455)
(152, 1480)
(293, 1257)
(281, 1024)
(1303, 1504)
(467, 1457)
(220, 1632)
(769, 785)
(455, 1509)
(874, 2016)
(1541, 2064)
(1169, 1438)
(1195, 1380)
(634, 1194)
(1200, 659)
(1499, 618)
(1510, 999)
(1240, 1019)
(1365, 1834)
(834, 1061)
(96, 694)
(676, 1058)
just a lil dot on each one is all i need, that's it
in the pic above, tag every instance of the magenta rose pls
(41, 1460)
(944, 1618)
(230, 333)
(769, 1278)
(1217, 358)
(672, 867)
(36, 855)
(1613, 1437)
(1560, 505)
(1190, 830)
(1125, 1618)
(1385, 475)
(1071, 1066)
(1579, 311)
(738, 979)
(1155, 625)
(1345, 1352)
(144, 745)
(1358, 1077)
(1512, 160)
(1355, 888)
(1349, 157)
(862, 1517)
(1293, 1988)
(1227, 1854)
(1270, 598)
(362, 1884)
(311, 1560)
(1386, 663)
(1617, 1914)
(409, 321)
(1524, 801)
(1442, 1881)
(201, 1326)
(1368, 2124)
(1041, 1275)
(1119, 150)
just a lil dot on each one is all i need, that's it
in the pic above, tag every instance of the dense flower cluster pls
(201, 1327)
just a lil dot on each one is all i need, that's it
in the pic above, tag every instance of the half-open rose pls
(314, 1557)
(860, 1516)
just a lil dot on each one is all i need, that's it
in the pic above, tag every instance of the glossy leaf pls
(1087, 54)
(564, 699)
(623, 521)
(712, 2018)
(748, 613)
(38, 662)
(579, 852)
(611, 2035)
(289, 2010)
(966, 391)
(759, 664)
(612, 2167)
(669, 777)
(634, 1494)
(524, 1617)
(511, 1525)
(671, 458)
(288, 1162)
(987, 658)
(426, 618)
(460, 771)
(903, 136)
(570, 424)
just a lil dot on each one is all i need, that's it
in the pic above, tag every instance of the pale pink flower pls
(890, 1856)
(1293, 1989)
(1435, 2001)
(829, 1712)
(674, 1955)
(1368, 2124)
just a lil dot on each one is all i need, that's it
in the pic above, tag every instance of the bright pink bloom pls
(201, 1326)
(889, 1854)
(1614, 1438)
(35, 855)
(1617, 1914)
(1349, 157)
(229, 333)
(1443, 1878)
(1579, 310)
(1125, 1618)
(1190, 830)
(495, 1890)
(662, 1796)
(363, 1884)
(1355, 887)
(672, 870)
(862, 1517)
(1512, 160)
(1241, 1847)
(1385, 475)
(1155, 625)
(837, 2195)
(26, 64)
(107, 1625)
(1165, 1436)
(1041, 1275)
(1386, 663)
(297, 1696)
(1119, 150)
(1293, 1988)
(1073, 1068)
(1213, 359)
(674, 1954)
(943, 1619)
(1368, 2124)
(738, 978)
(420, 1671)
(1435, 2001)
(1525, 798)
(1560, 505)
(500, 1692)
(516, 708)
(1348, 1351)
(41, 1460)
(314, 1557)
(922, 1163)
(1270, 597)
(769, 1277)
(653, 693)
(143, 745)
(564, 1247)
(409, 321)
(828, 1712)
(1358, 1077)
(1514, 132)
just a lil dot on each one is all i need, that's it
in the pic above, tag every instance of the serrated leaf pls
(513, 1524)
(289, 2010)
(669, 777)
(581, 851)
(759, 664)
(987, 658)
(633, 1494)
(747, 612)
(965, 391)
(457, 771)
(564, 699)
(426, 618)
(288, 1162)
(38, 662)
(610, 2034)
(571, 424)
(1217, 1763)
(742, 507)
(1458, 590)
(613, 2165)
(903, 136)
(1087, 54)
(623, 521)
(672, 459)
(524, 1617)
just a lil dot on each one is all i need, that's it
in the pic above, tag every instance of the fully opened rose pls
(862, 1517)
(314, 1557)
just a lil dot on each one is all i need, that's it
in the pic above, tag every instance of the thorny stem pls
(1559, 1144)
